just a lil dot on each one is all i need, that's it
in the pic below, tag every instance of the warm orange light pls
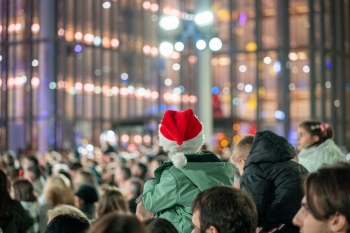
(236, 138)
(236, 127)
(224, 143)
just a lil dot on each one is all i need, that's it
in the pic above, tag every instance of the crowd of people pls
(179, 187)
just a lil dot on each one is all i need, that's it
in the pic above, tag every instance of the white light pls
(78, 86)
(78, 35)
(124, 76)
(90, 147)
(146, 5)
(115, 43)
(168, 82)
(89, 37)
(177, 90)
(337, 103)
(169, 22)
(89, 87)
(0, 58)
(226, 90)
(154, 7)
(154, 95)
(166, 48)
(176, 66)
(306, 69)
(242, 68)
(52, 85)
(201, 44)
(98, 90)
(35, 63)
(328, 84)
(35, 28)
(215, 44)
(106, 5)
(131, 89)
(293, 56)
(240, 86)
(124, 138)
(292, 86)
(97, 41)
(179, 46)
(204, 18)
(279, 115)
(137, 139)
(267, 60)
(248, 88)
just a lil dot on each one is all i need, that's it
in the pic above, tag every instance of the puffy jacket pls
(273, 179)
(327, 153)
(171, 193)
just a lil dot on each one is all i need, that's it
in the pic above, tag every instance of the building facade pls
(72, 69)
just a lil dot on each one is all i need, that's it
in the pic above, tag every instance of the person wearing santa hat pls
(189, 172)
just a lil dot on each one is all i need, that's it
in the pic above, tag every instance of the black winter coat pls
(273, 179)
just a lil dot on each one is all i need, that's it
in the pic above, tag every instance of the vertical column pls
(283, 18)
(258, 37)
(47, 68)
(312, 81)
(204, 78)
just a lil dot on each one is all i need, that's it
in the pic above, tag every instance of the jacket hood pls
(268, 147)
(205, 169)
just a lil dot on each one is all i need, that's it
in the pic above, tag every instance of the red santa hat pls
(180, 132)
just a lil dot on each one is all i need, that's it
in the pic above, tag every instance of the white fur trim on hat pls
(179, 160)
(189, 146)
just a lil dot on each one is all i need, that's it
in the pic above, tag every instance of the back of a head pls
(118, 223)
(242, 148)
(327, 191)
(160, 225)
(321, 129)
(5, 207)
(112, 200)
(68, 223)
(235, 211)
(64, 209)
(23, 191)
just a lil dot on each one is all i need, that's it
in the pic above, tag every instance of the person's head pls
(32, 173)
(313, 133)
(111, 200)
(160, 225)
(224, 209)
(241, 151)
(115, 222)
(141, 212)
(84, 176)
(121, 175)
(68, 223)
(22, 190)
(29, 161)
(180, 132)
(86, 195)
(64, 209)
(325, 206)
(58, 191)
(132, 188)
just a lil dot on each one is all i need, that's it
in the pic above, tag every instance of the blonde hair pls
(242, 148)
(85, 176)
(64, 209)
(112, 200)
(57, 190)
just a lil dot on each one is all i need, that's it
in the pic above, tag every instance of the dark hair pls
(126, 172)
(115, 222)
(34, 160)
(160, 225)
(321, 129)
(24, 191)
(5, 200)
(143, 169)
(75, 166)
(111, 200)
(235, 211)
(68, 223)
(35, 171)
(327, 191)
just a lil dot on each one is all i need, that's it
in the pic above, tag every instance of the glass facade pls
(71, 69)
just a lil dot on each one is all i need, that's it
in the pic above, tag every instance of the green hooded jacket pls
(171, 193)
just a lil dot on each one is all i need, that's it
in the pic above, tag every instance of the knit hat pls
(180, 132)
(68, 223)
(87, 193)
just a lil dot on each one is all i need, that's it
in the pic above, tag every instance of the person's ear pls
(316, 138)
(242, 160)
(338, 223)
(212, 229)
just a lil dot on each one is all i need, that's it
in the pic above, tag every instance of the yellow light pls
(236, 138)
(262, 92)
(251, 47)
(236, 127)
(224, 143)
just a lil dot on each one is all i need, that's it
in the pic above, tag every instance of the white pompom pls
(179, 160)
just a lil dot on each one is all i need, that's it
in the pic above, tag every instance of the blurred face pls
(196, 222)
(239, 163)
(307, 223)
(305, 139)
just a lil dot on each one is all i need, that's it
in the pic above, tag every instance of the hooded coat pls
(171, 193)
(314, 157)
(273, 179)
